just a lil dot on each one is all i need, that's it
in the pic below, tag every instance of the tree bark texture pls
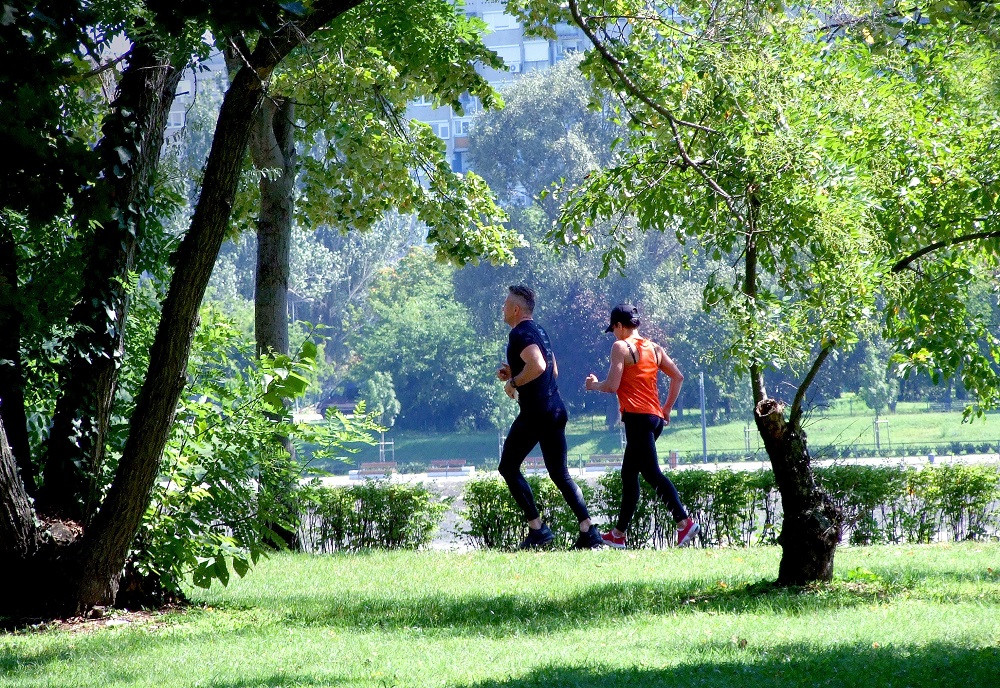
(272, 146)
(130, 152)
(18, 533)
(12, 412)
(812, 524)
(106, 542)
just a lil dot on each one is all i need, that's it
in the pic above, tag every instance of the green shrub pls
(375, 514)
(496, 522)
(227, 481)
(966, 494)
(493, 517)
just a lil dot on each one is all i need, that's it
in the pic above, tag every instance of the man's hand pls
(510, 390)
(503, 372)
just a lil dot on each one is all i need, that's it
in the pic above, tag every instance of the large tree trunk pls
(108, 538)
(36, 556)
(12, 412)
(130, 153)
(812, 523)
(272, 146)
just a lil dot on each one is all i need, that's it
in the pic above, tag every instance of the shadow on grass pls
(790, 665)
(543, 610)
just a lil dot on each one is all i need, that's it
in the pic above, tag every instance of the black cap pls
(626, 314)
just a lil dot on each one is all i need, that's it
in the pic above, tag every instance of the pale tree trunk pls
(272, 147)
(133, 138)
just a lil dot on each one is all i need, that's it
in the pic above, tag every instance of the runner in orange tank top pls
(635, 362)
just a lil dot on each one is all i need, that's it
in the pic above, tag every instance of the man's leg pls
(521, 439)
(552, 439)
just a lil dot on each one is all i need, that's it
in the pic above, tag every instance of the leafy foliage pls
(205, 516)
(372, 515)
(441, 372)
(883, 504)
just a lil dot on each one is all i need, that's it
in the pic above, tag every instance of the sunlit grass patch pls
(891, 616)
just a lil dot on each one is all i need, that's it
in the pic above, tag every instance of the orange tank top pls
(637, 392)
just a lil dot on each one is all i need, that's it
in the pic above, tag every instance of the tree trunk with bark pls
(12, 411)
(812, 524)
(129, 153)
(272, 147)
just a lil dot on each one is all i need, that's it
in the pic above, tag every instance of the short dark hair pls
(526, 294)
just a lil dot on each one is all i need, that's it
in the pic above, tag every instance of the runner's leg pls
(552, 438)
(521, 439)
(649, 428)
(630, 474)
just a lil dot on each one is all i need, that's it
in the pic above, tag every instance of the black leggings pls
(641, 431)
(548, 429)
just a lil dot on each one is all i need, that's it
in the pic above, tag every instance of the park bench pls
(446, 468)
(598, 463)
(533, 465)
(377, 469)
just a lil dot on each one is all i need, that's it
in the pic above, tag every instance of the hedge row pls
(372, 514)
(734, 508)
(742, 508)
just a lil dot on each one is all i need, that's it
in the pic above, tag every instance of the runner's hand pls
(503, 372)
(510, 390)
(591, 382)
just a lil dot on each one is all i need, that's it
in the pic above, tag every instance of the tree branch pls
(905, 262)
(800, 393)
(674, 122)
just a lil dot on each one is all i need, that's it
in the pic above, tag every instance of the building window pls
(536, 51)
(456, 162)
(421, 100)
(510, 54)
(462, 126)
(569, 47)
(499, 21)
(176, 119)
(470, 104)
(442, 129)
(184, 91)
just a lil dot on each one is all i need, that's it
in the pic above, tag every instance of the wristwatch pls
(512, 383)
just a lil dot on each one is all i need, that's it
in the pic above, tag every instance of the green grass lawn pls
(848, 422)
(896, 616)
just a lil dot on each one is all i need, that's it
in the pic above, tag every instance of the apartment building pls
(519, 52)
(506, 36)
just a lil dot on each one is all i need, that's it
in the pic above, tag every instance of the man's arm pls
(614, 379)
(670, 369)
(534, 365)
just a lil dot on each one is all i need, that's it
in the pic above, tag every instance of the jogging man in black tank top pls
(530, 375)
